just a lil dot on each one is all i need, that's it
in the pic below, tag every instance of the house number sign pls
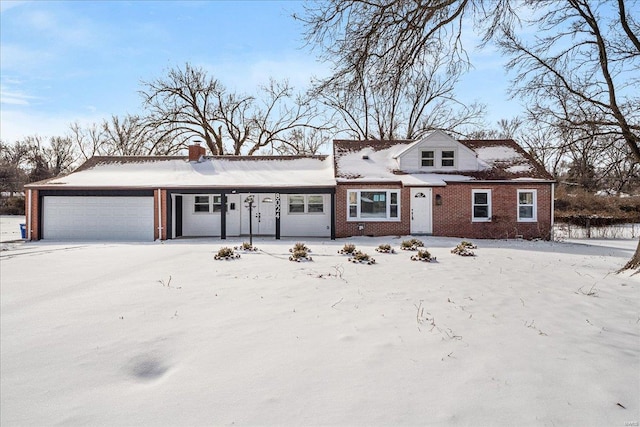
(278, 205)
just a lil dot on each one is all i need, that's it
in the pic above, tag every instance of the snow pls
(10, 227)
(524, 333)
(501, 153)
(172, 173)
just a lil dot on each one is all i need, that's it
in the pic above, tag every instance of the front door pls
(421, 211)
(263, 214)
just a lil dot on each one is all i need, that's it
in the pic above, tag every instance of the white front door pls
(421, 211)
(263, 214)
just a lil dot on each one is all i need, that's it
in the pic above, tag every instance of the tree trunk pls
(634, 262)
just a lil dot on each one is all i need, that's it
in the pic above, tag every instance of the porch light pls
(438, 200)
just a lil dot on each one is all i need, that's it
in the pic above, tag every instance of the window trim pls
(387, 218)
(432, 158)
(213, 207)
(203, 204)
(473, 205)
(305, 204)
(534, 205)
(453, 159)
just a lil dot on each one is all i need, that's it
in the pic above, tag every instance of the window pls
(296, 204)
(201, 204)
(481, 205)
(374, 205)
(527, 205)
(207, 204)
(448, 158)
(217, 203)
(428, 158)
(313, 204)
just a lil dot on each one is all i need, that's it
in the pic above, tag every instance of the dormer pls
(437, 152)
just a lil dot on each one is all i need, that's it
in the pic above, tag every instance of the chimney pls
(196, 152)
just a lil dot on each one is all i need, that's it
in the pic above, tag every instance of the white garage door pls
(98, 218)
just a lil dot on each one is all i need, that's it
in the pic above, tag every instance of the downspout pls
(159, 214)
(28, 214)
(553, 208)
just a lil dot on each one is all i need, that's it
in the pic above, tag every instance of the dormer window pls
(448, 158)
(428, 158)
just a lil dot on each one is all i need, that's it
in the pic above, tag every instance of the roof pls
(138, 172)
(376, 161)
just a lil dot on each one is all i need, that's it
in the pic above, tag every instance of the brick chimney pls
(195, 152)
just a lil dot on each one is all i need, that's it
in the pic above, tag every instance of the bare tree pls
(188, 102)
(380, 97)
(303, 142)
(580, 70)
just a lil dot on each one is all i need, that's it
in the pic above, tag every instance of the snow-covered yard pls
(524, 333)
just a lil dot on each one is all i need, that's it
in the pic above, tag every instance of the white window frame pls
(289, 204)
(432, 158)
(196, 204)
(454, 158)
(473, 205)
(533, 205)
(308, 203)
(358, 217)
(305, 203)
(214, 204)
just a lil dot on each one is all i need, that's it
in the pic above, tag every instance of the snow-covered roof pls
(377, 161)
(209, 172)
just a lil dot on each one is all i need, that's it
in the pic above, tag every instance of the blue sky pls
(83, 61)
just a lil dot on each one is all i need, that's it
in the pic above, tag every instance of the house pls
(148, 198)
(443, 187)
(434, 186)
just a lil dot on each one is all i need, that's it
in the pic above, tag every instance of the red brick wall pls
(453, 217)
(32, 217)
(163, 214)
(346, 228)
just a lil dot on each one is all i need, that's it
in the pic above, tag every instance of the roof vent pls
(365, 157)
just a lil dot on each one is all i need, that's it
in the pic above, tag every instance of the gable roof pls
(371, 160)
(209, 172)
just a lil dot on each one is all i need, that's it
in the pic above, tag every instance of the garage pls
(98, 218)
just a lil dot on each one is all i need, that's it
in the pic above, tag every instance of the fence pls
(619, 231)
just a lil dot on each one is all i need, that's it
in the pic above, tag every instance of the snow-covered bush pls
(423, 255)
(385, 249)
(300, 252)
(348, 249)
(299, 246)
(464, 249)
(226, 254)
(245, 246)
(411, 245)
(362, 258)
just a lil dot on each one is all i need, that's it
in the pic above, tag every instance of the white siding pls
(305, 224)
(198, 223)
(465, 158)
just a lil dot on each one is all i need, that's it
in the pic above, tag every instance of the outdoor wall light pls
(438, 199)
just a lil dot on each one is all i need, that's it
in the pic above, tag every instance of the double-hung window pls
(296, 204)
(207, 204)
(315, 204)
(527, 211)
(481, 205)
(312, 203)
(373, 205)
(448, 158)
(201, 204)
(428, 158)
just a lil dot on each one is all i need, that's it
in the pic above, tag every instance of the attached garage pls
(98, 218)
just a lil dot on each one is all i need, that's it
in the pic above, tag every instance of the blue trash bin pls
(23, 230)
